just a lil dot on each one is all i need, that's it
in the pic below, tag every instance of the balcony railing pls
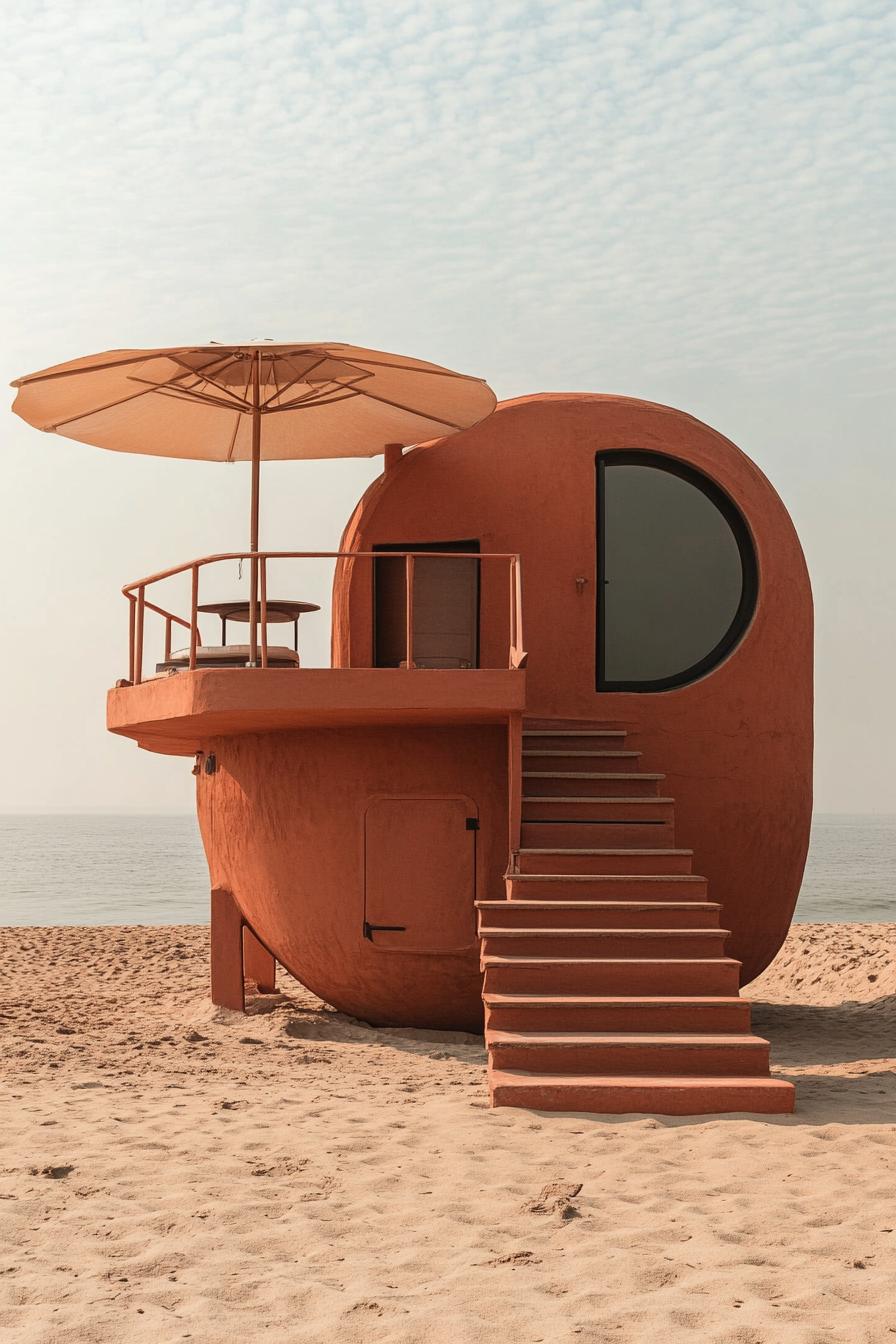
(140, 604)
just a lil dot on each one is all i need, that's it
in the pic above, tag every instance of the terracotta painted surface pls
(178, 715)
(236, 955)
(226, 959)
(736, 746)
(302, 818)
(259, 964)
(287, 820)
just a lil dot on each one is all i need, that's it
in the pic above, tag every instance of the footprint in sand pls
(284, 1166)
(514, 1259)
(373, 1308)
(556, 1197)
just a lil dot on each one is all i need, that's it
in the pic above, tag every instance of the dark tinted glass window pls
(676, 569)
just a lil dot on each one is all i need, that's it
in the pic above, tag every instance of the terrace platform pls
(177, 713)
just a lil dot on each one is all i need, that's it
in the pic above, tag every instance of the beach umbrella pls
(230, 403)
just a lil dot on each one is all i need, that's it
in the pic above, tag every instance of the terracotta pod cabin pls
(564, 792)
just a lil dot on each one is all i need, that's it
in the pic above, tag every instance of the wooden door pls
(420, 873)
(446, 607)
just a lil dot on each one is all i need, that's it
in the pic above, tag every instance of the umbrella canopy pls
(226, 403)
(324, 400)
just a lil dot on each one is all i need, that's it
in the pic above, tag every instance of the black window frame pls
(740, 529)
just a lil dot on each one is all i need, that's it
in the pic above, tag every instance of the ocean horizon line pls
(133, 868)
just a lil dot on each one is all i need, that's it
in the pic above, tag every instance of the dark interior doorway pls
(446, 606)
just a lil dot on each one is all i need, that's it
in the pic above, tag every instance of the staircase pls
(606, 984)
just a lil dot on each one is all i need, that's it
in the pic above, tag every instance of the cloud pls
(699, 181)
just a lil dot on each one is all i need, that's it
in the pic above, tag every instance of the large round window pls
(676, 573)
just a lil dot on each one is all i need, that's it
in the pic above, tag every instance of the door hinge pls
(472, 823)
(371, 929)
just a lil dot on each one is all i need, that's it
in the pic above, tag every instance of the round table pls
(280, 612)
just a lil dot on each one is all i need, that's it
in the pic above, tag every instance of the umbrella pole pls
(253, 523)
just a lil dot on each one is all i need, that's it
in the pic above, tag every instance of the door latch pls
(371, 929)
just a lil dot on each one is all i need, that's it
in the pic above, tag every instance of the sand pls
(172, 1172)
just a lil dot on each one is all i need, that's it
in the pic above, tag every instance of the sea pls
(113, 869)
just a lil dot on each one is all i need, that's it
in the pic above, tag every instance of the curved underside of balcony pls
(177, 714)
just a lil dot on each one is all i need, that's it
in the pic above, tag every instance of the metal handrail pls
(135, 593)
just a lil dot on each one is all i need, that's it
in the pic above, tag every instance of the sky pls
(691, 203)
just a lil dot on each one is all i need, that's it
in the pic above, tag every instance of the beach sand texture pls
(173, 1172)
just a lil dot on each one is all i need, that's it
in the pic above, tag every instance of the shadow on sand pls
(840, 1033)
(820, 1049)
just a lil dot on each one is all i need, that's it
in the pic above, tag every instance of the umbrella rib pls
(202, 377)
(274, 377)
(197, 398)
(306, 404)
(335, 359)
(292, 382)
(407, 368)
(248, 385)
(315, 394)
(225, 358)
(173, 386)
(236, 430)
(142, 358)
(423, 415)
(319, 397)
(205, 398)
(98, 410)
(239, 413)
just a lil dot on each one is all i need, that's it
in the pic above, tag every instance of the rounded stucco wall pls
(283, 824)
(736, 745)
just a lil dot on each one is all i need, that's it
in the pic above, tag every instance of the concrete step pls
(633, 834)
(534, 727)
(605, 982)
(583, 1012)
(536, 758)
(611, 976)
(625, 942)
(525, 914)
(573, 739)
(587, 1052)
(615, 808)
(595, 783)
(641, 861)
(654, 1095)
(606, 886)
